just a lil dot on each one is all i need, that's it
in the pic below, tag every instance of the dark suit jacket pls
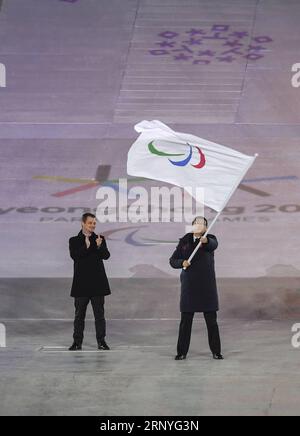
(89, 278)
(198, 281)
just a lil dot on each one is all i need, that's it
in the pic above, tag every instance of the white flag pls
(186, 160)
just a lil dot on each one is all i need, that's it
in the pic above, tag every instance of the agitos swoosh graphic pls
(183, 162)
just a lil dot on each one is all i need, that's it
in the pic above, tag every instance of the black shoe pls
(218, 356)
(103, 346)
(180, 357)
(75, 347)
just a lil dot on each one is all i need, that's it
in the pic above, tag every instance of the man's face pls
(89, 225)
(199, 226)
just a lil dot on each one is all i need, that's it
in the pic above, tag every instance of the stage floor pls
(138, 376)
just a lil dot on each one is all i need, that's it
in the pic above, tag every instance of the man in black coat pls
(198, 287)
(89, 281)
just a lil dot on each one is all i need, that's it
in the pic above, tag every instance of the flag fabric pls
(185, 160)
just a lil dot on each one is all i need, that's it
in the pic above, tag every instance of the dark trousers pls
(81, 304)
(185, 330)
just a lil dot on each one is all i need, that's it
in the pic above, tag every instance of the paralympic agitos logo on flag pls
(181, 162)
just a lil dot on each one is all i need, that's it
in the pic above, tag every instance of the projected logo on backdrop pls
(182, 162)
(220, 43)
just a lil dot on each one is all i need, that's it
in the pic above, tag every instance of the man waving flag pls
(188, 161)
(185, 160)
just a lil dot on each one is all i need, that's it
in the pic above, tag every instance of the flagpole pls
(224, 205)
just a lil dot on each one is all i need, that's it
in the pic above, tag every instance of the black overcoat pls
(198, 281)
(89, 278)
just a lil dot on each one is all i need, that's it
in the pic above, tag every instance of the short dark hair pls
(87, 215)
(203, 217)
